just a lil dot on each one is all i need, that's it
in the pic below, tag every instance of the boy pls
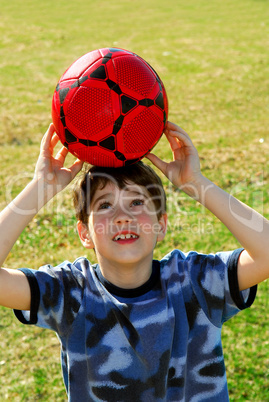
(134, 329)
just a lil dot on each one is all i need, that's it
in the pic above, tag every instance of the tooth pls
(127, 236)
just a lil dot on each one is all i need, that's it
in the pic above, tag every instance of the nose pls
(123, 216)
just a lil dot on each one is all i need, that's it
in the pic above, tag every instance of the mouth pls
(125, 236)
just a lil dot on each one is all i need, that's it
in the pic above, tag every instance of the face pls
(123, 227)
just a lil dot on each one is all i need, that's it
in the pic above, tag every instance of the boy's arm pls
(248, 226)
(50, 177)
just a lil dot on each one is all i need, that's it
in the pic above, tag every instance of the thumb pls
(76, 167)
(159, 163)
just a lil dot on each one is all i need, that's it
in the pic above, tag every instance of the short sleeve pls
(242, 299)
(210, 282)
(215, 284)
(56, 296)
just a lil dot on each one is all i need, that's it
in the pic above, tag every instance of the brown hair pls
(98, 177)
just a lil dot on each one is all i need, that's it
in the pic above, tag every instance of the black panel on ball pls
(62, 94)
(114, 86)
(69, 136)
(108, 143)
(159, 101)
(127, 104)
(99, 73)
(75, 84)
(119, 156)
(146, 102)
(82, 79)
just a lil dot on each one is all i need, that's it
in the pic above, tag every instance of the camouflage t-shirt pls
(158, 342)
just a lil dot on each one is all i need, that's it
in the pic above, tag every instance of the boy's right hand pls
(50, 177)
(49, 169)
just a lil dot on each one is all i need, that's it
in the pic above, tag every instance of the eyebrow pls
(108, 195)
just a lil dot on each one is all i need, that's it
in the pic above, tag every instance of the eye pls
(104, 205)
(137, 202)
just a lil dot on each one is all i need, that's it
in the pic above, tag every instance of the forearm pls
(248, 226)
(16, 216)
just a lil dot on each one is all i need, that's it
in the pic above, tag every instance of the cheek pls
(147, 216)
(99, 226)
(148, 224)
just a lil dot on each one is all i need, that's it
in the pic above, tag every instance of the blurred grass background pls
(213, 59)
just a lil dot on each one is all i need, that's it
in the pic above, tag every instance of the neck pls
(127, 276)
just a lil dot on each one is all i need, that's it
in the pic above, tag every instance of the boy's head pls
(98, 177)
(121, 215)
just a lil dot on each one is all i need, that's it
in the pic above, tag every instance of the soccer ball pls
(109, 108)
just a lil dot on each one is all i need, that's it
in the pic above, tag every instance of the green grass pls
(214, 61)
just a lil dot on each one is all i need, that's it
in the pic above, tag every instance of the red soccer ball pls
(110, 108)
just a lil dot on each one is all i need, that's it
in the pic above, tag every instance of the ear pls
(84, 235)
(162, 226)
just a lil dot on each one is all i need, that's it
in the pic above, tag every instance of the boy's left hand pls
(184, 170)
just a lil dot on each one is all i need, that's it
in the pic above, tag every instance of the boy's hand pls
(185, 170)
(51, 169)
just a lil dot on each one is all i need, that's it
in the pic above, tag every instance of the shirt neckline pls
(130, 293)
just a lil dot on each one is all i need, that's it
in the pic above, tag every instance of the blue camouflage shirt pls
(158, 342)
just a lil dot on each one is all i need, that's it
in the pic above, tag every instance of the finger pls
(55, 139)
(182, 136)
(171, 125)
(46, 140)
(61, 155)
(76, 167)
(174, 142)
(174, 127)
(160, 164)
